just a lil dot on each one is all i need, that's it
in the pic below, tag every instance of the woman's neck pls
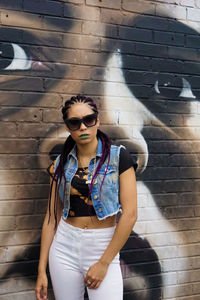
(87, 150)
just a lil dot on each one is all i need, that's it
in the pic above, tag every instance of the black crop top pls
(80, 205)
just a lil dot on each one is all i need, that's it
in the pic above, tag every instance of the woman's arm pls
(47, 236)
(128, 200)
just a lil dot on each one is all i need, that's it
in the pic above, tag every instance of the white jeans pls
(72, 252)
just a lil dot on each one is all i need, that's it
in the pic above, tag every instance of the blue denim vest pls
(105, 205)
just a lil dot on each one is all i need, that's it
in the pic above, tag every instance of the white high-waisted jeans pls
(72, 252)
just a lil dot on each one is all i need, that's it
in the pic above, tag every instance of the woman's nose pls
(83, 127)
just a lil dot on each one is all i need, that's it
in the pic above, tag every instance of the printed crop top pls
(80, 205)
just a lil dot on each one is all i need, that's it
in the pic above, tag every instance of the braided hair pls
(68, 146)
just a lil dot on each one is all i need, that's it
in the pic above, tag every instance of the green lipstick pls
(84, 136)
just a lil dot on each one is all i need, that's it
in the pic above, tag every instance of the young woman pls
(91, 181)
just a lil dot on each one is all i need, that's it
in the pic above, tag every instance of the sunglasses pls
(75, 123)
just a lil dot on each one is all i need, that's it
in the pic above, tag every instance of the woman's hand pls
(95, 275)
(41, 287)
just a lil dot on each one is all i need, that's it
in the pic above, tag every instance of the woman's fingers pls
(87, 280)
(41, 287)
(93, 284)
(44, 292)
(97, 285)
(41, 293)
(38, 293)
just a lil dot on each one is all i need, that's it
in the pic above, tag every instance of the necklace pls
(83, 169)
(88, 181)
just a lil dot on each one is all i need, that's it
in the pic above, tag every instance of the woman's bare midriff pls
(91, 222)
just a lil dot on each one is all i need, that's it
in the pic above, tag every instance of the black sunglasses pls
(75, 123)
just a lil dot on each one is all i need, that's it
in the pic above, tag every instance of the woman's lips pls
(84, 136)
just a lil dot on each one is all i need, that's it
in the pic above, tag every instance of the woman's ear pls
(66, 128)
(98, 121)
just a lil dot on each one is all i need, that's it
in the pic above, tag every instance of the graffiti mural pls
(153, 100)
(143, 72)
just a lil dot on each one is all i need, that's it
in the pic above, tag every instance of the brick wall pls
(140, 61)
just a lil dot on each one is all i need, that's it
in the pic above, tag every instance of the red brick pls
(18, 146)
(29, 222)
(52, 115)
(37, 130)
(24, 191)
(74, 1)
(99, 29)
(81, 12)
(29, 99)
(139, 6)
(197, 211)
(43, 38)
(21, 161)
(28, 295)
(43, 7)
(16, 285)
(77, 72)
(7, 223)
(188, 276)
(16, 83)
(43, 100)
(117, 17)
(21, 114)
(21, 19)
(105, 3)
(22, 252)
(12, 4)
(188, 224)
(61, 24)
(81, 42)
(33, 191)
(171, 11)
(193, 14)
(20, 237)
(46, 145)
(93, 59)
(41, 206)
(3, 254)
(8, 130)
(173, 291)
(16, 207)
(62, 86)
(10, 98)
(21, 176)
(190, 3)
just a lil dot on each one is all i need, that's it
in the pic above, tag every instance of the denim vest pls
(105, 204)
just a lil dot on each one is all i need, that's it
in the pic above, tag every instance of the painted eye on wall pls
(14, 57)
(177, 88)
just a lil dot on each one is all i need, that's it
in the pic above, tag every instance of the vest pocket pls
(110, 176)
(109, 172)
(69, 174)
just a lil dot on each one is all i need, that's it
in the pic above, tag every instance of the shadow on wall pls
(155, 69)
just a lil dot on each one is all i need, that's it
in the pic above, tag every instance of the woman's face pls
(84, 134)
